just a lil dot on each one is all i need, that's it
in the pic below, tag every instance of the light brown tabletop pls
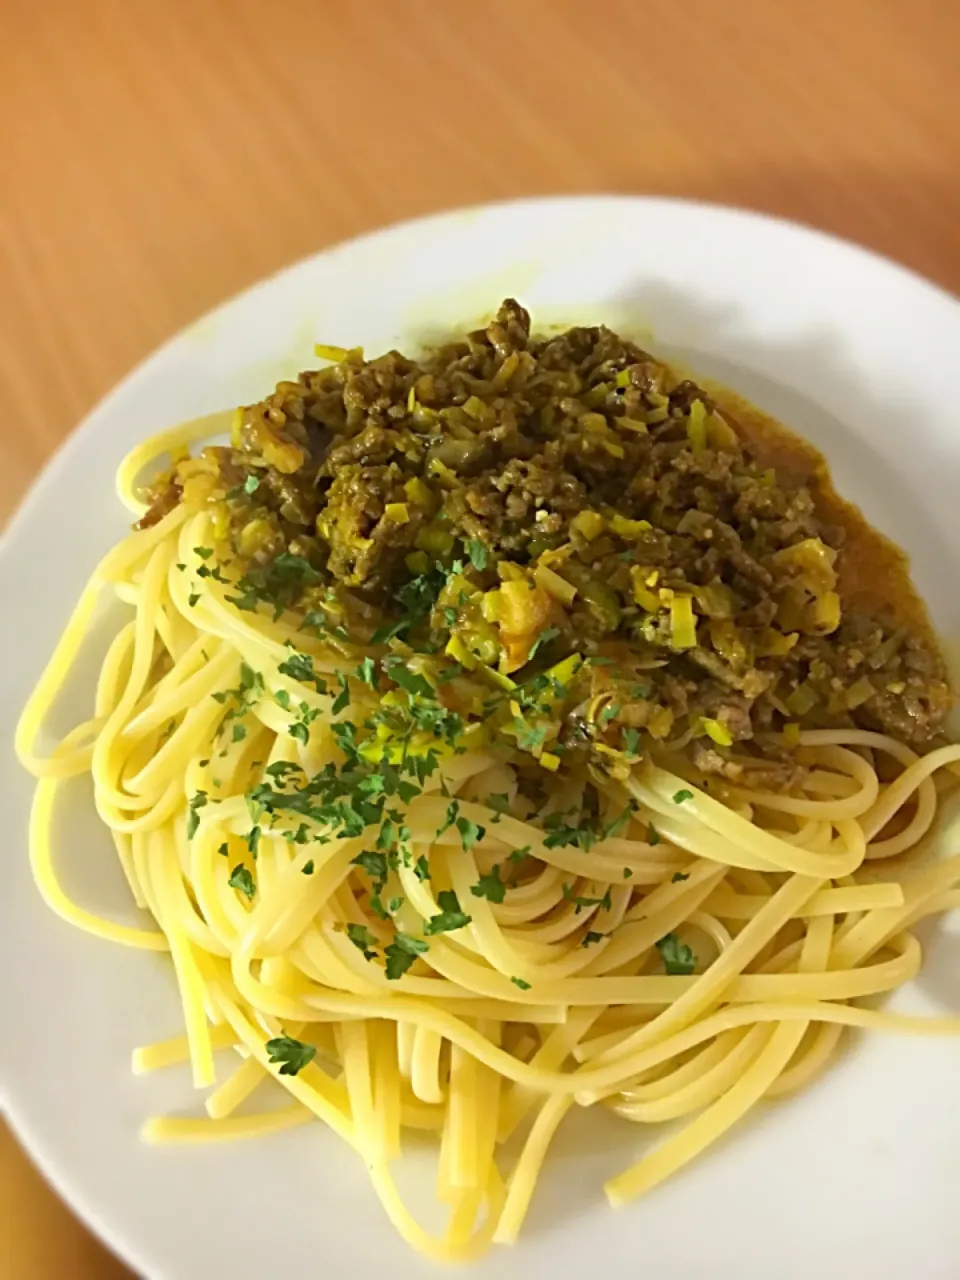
(158, 156)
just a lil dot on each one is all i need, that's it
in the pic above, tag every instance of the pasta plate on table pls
(515, 728)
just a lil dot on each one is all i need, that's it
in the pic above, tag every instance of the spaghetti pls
(401, 946)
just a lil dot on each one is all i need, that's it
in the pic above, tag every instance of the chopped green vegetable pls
(470, 832)
(676, 955)
(193, 817)
(368, 673)
(451, 917)
(580, 903)
(401, 953)
(363, 940)
(342, 700)
(490, 886)
(477, 553)
(293, 1054)
(543, 638)
(240, 878)
(299, 666)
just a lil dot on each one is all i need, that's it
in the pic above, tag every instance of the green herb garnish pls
(490, 886)
(676, 955)
(580, 903)
(240, 878)
(363, 939)
(401, 954)
(478, 553)
(543, 638)
(294, 1055)
(450, 917)
(193, 818)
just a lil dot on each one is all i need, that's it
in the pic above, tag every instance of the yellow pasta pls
(378, 1022)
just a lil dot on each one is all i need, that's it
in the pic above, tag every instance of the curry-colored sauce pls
(873, 572)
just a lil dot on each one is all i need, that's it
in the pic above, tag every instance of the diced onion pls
(720, 734)
(697, 426)
(858, 693)
(325, 352)
(823, 615)
(801, 700)
(683, 624)
(554, 585)
(588, 524)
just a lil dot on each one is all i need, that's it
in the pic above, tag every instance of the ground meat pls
(582, 466)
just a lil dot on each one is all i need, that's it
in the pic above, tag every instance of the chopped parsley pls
(363, 939)
(470, 832)
(409, 681)
(450, 917)
(401, 953)
(193, 817)
(519, 982)
(580, 903)
(251, 484)
(240, 878)
(543, 638)
(342, 700)
(591, 937)
(453, 809)
(490, 886)
(678, 876)
(683, 794)
(368, 673)
(294, 1055)
(477, 553)
(677, 957)
(583, 836)
(299, 667)
(530, 737)
(619, 822)
(307, 868)
(518, 855)
(499, 803)
(300, 728)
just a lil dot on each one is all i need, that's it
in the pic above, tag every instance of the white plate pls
(858, 1177)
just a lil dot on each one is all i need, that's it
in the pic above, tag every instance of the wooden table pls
(160, 154)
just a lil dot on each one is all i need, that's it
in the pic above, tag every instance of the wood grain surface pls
(158, 155)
